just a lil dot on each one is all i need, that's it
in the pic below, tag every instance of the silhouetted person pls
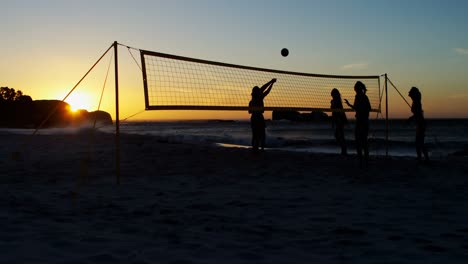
(339, 120)
(362, 107)
(418, 118)
(257, 122)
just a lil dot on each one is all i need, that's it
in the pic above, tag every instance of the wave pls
(445, 138)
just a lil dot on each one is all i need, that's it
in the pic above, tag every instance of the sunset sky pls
(47, 46)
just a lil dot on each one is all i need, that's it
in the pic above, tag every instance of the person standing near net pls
(418, 118)
(362, 108)
(339, 120)
(257, 122)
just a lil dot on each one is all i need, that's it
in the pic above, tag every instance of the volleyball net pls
(180, 83)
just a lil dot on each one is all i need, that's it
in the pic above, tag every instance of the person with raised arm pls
(256, 108)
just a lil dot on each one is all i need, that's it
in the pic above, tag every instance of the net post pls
(145, 83)
(117, 123)
(386, 116)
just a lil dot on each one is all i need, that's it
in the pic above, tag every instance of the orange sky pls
(49, 46)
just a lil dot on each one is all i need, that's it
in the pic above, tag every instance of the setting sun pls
(78, 101)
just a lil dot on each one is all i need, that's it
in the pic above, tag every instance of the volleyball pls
(285, 52)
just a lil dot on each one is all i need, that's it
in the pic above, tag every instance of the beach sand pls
(183, 203)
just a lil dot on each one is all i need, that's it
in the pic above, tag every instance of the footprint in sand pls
(103, 258)
(434, 249)
(347, 236)
(428, 245)
(347, 231)
(250, 256)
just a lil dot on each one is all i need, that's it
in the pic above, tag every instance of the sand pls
(181, 203)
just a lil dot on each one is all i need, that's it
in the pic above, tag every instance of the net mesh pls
(174, 82)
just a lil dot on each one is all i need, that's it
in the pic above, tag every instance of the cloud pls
(461, 51)
(355, 66)
(458, 96)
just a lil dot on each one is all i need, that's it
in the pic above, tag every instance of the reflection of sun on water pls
(79, 101)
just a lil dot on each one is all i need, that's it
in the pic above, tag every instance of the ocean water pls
(443, 137)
